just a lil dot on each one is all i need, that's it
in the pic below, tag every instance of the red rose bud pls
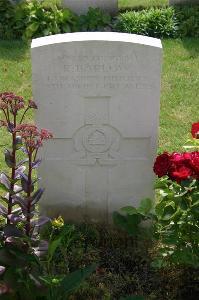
(162, 164)
(195, 130)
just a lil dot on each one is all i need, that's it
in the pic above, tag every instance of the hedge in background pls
(155, 22)
(177, 21)
(7, 19)
(188, 20)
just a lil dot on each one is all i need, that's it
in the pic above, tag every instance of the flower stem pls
(10, 204)
(28, 218)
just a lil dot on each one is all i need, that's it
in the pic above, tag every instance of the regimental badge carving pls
(97, 144)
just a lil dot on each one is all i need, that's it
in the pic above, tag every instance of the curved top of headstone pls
(96, 36)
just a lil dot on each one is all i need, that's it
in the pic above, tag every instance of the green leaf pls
(145, 206)
(73, 280)
(130, 210)
(132, 225)
(120, 220)
(168, 213)
(159, 209)
(31, 29)
(53, 247)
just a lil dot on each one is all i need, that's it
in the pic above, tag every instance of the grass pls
(15, 75)
(144, 3)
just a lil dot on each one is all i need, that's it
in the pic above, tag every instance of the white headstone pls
(81, 6)
(99, 93)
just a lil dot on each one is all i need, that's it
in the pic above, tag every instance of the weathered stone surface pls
(99, 93)
(81, 6)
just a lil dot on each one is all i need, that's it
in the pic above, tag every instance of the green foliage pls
(177, 226)
(60, 287)
(131, 218)
(31, 19)
(7, 18)
(94, 20)
(41, 20)
(153, 22)
(188, 20)
(133, 298)
(59, 239)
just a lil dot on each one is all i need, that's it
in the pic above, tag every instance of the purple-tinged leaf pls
(2, 270)
(18, 142)
(4, 180)
(12, 243)
(41, 249)
(20, 201)
(25, 183)
(43, 245)
(37, 195)
(10, 127)
(19, 171)
(3, 210)
(20, 163)
(5, 199)
(36, 163)
(17, 189)
(16, 210)
(11, 230)
(9, 159)
(40, 221)
(24, 150)
(15, 219)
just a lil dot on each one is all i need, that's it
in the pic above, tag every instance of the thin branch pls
(24, 114)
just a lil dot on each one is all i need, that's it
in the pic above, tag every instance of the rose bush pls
(175, 217)
(177, 210)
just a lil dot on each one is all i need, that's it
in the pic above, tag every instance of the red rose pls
(162, 164)
(181, 166)
(180, 172)
(177, 158)
(195, 163)
(195, 130)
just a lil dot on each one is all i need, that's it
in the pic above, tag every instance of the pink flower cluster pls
(32, 136)
(11, 101)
